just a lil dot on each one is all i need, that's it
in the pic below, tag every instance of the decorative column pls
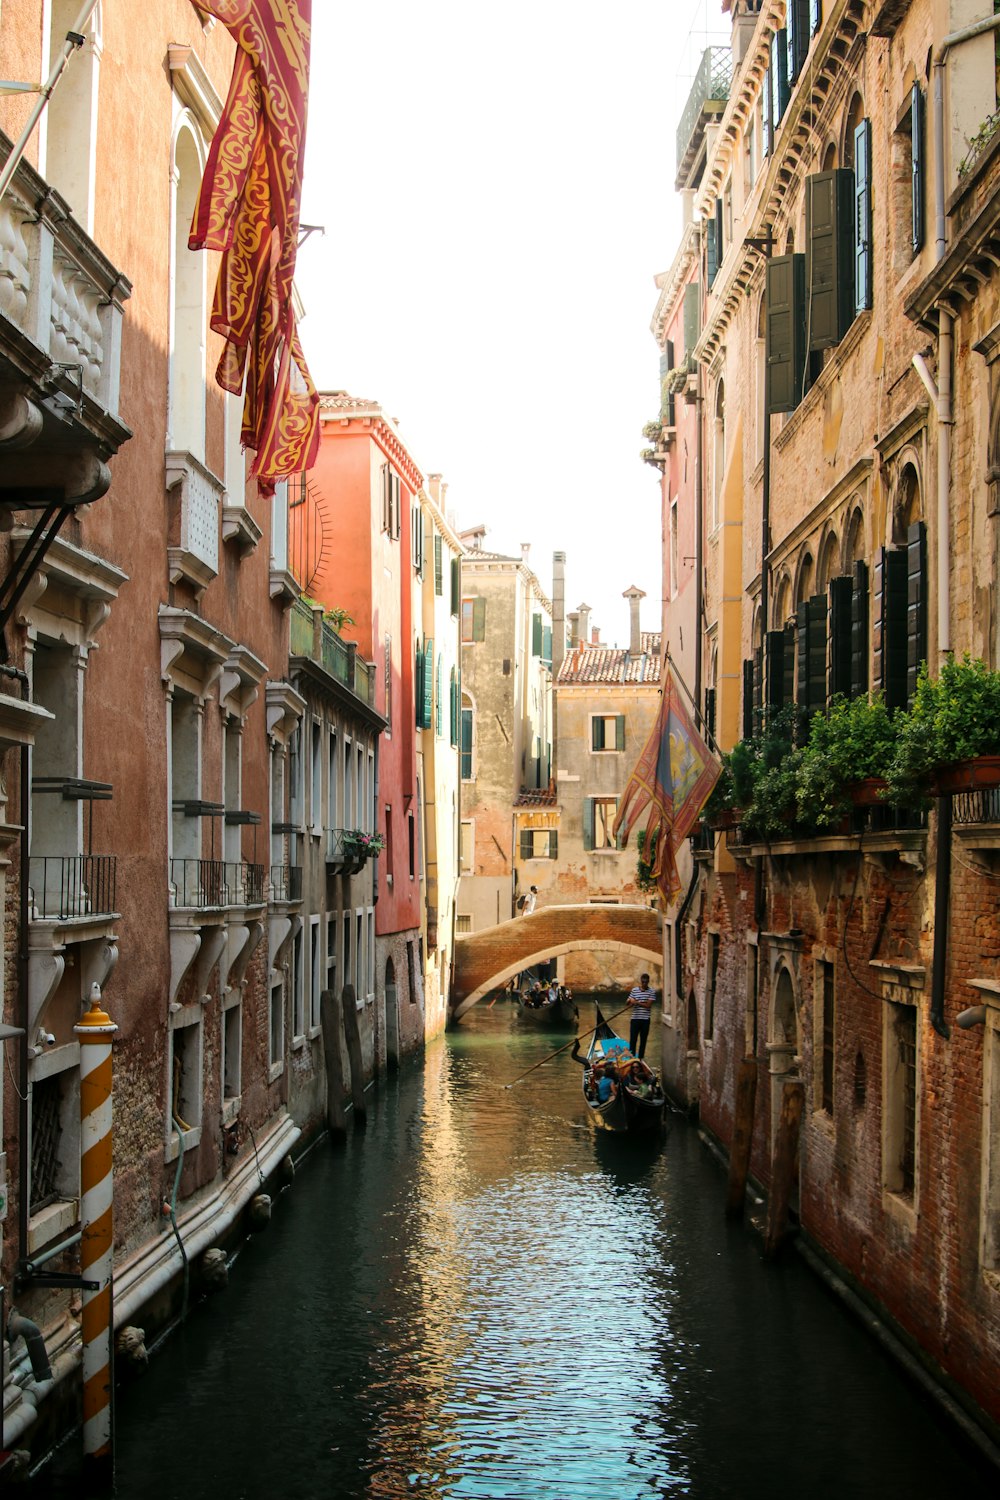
(95, 1031)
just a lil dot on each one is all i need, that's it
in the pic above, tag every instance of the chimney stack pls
(584, 612)
(558, 611)
(438, 490)
(573, 621)
(633, 595)
(525, 549)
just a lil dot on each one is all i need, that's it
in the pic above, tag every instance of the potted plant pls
(949, 740)
(358, 845)
(764, 773)
(844, 761)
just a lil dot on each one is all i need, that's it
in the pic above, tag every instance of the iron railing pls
(75, 885)
(286, 882)
(313, 636)
(976, 807)
(244, 883)
(199, 883)
(712, 82)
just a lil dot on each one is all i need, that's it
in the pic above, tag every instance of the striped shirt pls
(640, 1001)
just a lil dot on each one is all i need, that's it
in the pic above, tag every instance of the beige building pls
(506, 721)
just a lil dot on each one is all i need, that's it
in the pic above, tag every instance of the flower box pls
(966, 776)
(869, 792)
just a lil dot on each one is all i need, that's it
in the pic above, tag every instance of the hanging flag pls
(248, 208)
(673, 778)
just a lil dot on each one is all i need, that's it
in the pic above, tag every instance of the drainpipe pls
(19, 1327)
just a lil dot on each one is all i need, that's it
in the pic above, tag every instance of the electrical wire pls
(23, 1097)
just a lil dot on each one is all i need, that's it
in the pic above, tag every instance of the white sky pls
(496, 185)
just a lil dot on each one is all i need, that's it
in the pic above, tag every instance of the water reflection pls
(480, 1297)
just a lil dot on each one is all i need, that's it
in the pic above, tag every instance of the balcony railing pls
(711, 87)
(976, 807)
(77, 885)
(286, 882)
(244, 883)
(199, 883)
(314, 637)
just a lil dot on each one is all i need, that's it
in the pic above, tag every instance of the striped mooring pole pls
(95, 1031)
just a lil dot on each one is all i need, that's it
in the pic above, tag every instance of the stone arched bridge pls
(486, 960)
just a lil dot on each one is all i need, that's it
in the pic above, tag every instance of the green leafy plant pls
(954, 717)
(357, 841)
(977, 143)
(763, 771)
(852, 741)
(338, 618)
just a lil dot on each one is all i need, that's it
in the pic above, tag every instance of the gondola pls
(628, 1109)
(561, 1012)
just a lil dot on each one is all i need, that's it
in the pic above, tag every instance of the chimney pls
(584, 610)
(595, 635)
(633, 595)
(573, 621)
(558, 610)
(438, 490)
(525, 549)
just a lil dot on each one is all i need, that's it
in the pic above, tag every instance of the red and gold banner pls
(248, 209)
(673, 777)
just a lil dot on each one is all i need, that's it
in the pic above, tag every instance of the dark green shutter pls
(859, 630)
(711, 253)
(438, 565)
(720, 235)
(791, 637)
(830, 250)
(418, 686)
(802, 657)
(774, 653)
(553, 843)
(597, 733)
(526, 843)
(916, 167)
(619, 731)
(890, 626)
(797, 26)
(748, 699)
(816, 609)
(453, 710)
(863, 216)
(428, 683)
(456, 591)
(815, 15)
(758, 689)
(547, 643)
(692, 315)
(666, 394)
(439, 696)
(465, 770)
(710, 712)
(536, 635)
(786, 332)
(779, 79)
(588, 822)
(841, 596)
(479, 619)
(916, 604)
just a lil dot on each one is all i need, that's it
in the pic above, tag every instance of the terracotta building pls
(849, 306)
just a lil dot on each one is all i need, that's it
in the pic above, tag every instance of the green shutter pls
(418, 685)
(465, 770)
(428, 682)
(527, 843)
(553, 843)
(597, 734)
(456, 586)
(453, 709)
(720, 236)
(916, 168)
(758, 689)
(588, 822)
(816, 609)
(779, 78)
(791, 638)
(863, 216)
(841, 597)
(916, 604)
(859, 630)
(479, 619)
(786, 333)
(774, 661)
(830, 250)
(748, 699)
(802, 657)
(619, 731)
(710, 712)
(536, 635)
(438, 565)
(692, 315)
(890, 626)
(547, 644)
(667, 414)
(711, 253)
(797, 25)
(439, 696)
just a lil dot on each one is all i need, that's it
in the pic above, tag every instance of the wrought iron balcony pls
(244, 883)
(286, 882)
(75, 885)
(315, 638)
(199, 883)
(342, 852)
(971, 808)
(708, 97)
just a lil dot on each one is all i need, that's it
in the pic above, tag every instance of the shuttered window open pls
(830, 249)
(774, 674)
(710, 712)
(765, 115)
(859, 630)
(692, 315)
(748, 699)
(797, 27)
(791, 636)
(916, 168)
(863, 216)
(811, 643)
(779, 79)
(841, 595)
(456, 585)
(916, 604)
(438, 565)
(479, 619)
(666, 394)
(418, 686)
(711, 253)
(428, 683)
(890, 626)
(758, 689)
(786, 331)
(815, 15)
(536, 635)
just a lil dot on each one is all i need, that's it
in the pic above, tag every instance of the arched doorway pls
(391, 1018)
(782, 1046)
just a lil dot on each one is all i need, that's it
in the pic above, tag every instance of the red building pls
(357, 545)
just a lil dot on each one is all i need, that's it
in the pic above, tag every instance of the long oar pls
(563, 1049)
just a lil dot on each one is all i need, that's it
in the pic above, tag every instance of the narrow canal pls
(478, 1297)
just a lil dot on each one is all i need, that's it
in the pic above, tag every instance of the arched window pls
(856, 550)
(855, 114)
(829, 563)
(718, 452)
(468, 740)
(70, 121)
(830, 157)
(188, 303)
(805, 586)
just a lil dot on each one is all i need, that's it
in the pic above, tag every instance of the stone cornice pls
(673, 282)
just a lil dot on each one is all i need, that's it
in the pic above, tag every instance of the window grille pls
(46, 1133)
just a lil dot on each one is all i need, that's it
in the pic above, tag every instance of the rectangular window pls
(277, 1025)
(463, 922)
(890, 621)
(539, 843)
(825, 1033)
(411, 844)
(316, 773)
(387, 681)
(370, 951)
(752, 990)
(186, 1063)
(830, 257)
(810, 685)
(711, 979)
(296, 980)
(360, 970)
(598, 818)
(473, 620)
(346, 969)
(863, 216)
(917, 190)
(991, 1141)
(331, 952)
(466, 846)
(315, 974)
(779, 79)
(465, 756)
(797, 26)
(673, 552)
(438, 564)
(232, 1047)
(417, 537)
(815, 15)
(388, 842)
(607, 732)
(841, 597)
(456, 585)
(536, 635)
(899, 1126)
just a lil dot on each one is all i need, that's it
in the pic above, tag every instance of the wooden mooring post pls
(330, 1019)
(739, 1156)
(352, 1031)
(784, 1167)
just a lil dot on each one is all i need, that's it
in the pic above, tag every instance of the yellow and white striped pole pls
(95, 1032)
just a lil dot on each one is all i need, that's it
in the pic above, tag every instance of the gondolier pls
(640, 999)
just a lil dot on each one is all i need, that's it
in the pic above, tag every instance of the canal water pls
(480, 1297)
